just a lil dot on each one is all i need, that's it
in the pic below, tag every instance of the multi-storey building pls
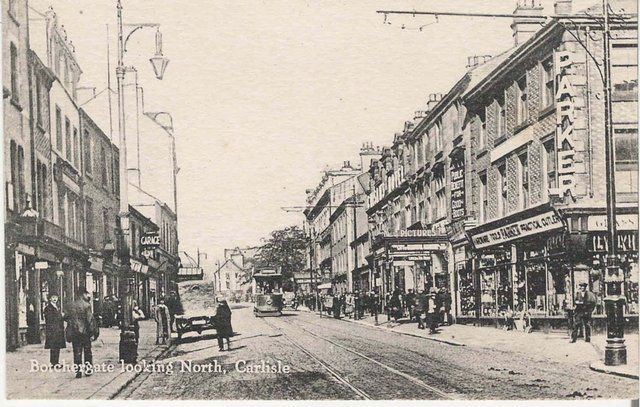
(19, 257)
(493, 193)
(333, 189)
(537, 126)
(101, 186)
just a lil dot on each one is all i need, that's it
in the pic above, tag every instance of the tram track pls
(414, 380)
(332, 371)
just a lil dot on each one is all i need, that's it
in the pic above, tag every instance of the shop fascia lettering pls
(565, 107)
(537, 224)
(413, 233)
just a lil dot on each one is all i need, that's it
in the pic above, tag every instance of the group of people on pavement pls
(83, 325)
(82, 328)
(430, 307)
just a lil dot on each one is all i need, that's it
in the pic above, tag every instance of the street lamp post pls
(159, 63)
(615, 350)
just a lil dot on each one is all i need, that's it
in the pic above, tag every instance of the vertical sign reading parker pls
(457, 190)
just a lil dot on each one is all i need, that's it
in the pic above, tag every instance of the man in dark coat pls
(409, 301)
(421, 308)
(54, 330)
(82, 328)
(223, 324)
(585, 304)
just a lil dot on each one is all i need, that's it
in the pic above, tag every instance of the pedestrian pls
(585, 303)
(161, 315)
(432, 310)
(422, 301)
(54, 330)
(137, 315)
(409, 300)
(357, 300)
(395, 305)
(82, 328)
(223, 324)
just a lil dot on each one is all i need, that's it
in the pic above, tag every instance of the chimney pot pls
(562, 6)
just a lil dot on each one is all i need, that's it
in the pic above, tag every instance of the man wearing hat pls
(585, 303)
(432, 310)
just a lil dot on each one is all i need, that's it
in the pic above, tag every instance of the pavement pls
(535, 345)
(25, 382)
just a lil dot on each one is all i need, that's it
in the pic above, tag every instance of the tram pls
(268, 293)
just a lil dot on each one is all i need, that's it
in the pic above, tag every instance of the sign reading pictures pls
(412, 233)
(544, 222)
(150, 241)
(457, 190)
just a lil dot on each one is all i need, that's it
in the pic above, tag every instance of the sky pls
(266, 94)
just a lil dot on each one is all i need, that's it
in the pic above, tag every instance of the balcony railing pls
(40, 228)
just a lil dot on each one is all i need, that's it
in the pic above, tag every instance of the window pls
(441, 202)
(523, 172)
(87, 152)
(90, 223)
(116, 175)
(134, 239)
(502, 122)
(626, 154)
(67, 139)
(105, 225)
(438, 137)
(522, 110)
(548, 83)
(14, 73)
(103, 165)
(483, 197)
(38, 101)
(502, 189)
(482, 130)
(22, 192)
(62, 221)
(13, 198)
(624, 71)
(549, 170)
(76, 148)
(58, 129)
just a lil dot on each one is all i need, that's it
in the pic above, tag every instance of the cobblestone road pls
(331, 359)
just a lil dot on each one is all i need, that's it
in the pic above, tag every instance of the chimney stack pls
(562, 7)
(476, 60)
(524, 26)
(434, 98)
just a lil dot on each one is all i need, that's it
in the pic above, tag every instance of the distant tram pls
(268, 293)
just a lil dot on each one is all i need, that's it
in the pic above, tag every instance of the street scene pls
(240, 200)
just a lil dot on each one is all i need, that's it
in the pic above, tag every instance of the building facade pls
(493, 191)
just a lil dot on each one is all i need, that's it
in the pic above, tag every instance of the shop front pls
(411, 260)
(530, 265)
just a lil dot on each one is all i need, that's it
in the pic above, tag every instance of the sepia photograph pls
(407, 200)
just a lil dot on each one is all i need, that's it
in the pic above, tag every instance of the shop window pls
(505, 289)
(487, 293)
(523, 170)
(502, 189)
(560, 293)
(548, 83)
(626, 156)
(466, 289)
(532, 280)
(522, 94)
(630, 268)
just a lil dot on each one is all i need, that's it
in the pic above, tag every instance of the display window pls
(559, 293)
(630, 269)
(466, 288)
(488, 293)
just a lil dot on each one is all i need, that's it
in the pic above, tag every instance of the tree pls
(285, 249)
